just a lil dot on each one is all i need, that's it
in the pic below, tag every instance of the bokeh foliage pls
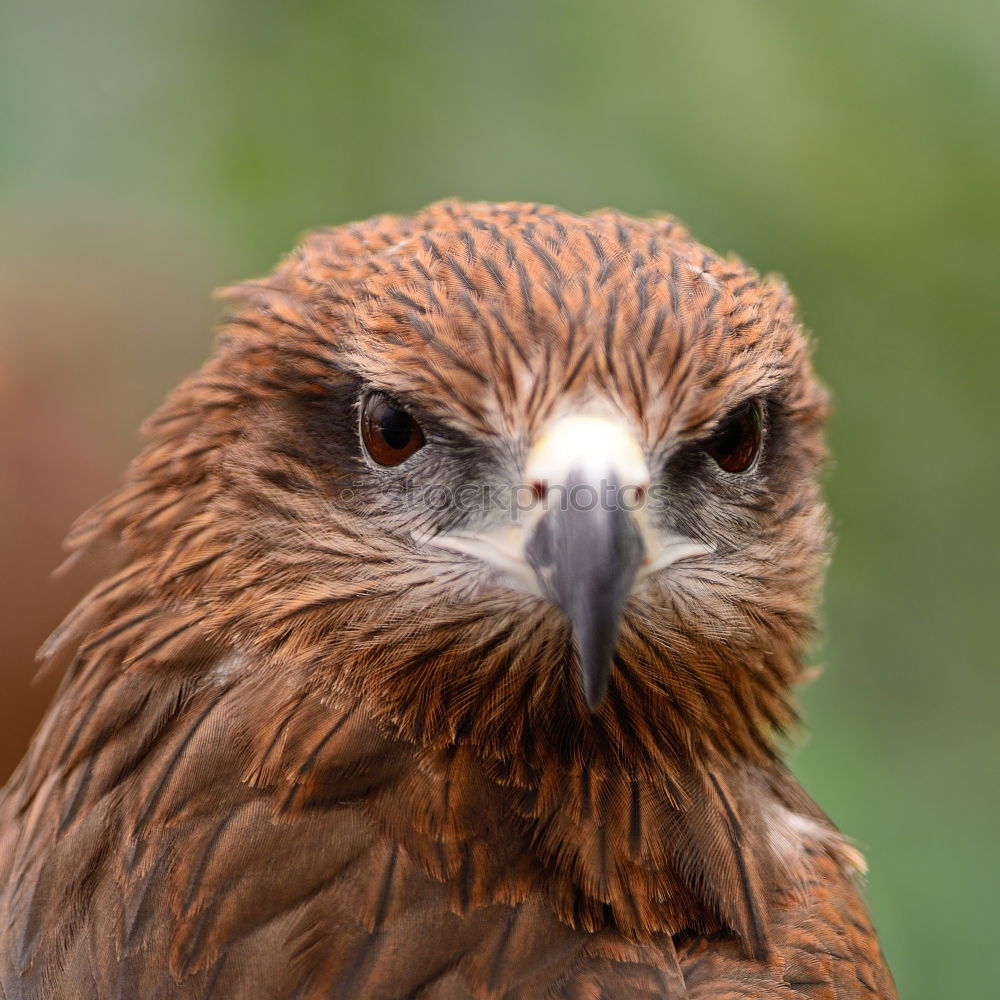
(151, 150)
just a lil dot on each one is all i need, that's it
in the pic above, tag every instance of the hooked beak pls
(586, 541)
(586, 559)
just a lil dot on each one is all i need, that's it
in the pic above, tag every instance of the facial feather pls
(320, 626)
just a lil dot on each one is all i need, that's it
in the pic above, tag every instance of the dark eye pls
(389, 433)
(736, 441)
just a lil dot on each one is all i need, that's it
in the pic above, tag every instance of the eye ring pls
(389, 434)
(735, 444)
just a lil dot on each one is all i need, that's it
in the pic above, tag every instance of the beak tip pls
(594, 698)
(594, 675)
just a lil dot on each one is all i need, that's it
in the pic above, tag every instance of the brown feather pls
(298, 754)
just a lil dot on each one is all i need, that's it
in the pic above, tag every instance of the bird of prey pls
(447, 636)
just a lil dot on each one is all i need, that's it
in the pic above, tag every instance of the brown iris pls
(736, 441)
(389, 433)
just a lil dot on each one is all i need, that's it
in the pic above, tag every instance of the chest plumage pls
(456, 605)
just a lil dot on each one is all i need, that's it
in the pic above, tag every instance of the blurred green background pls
(150, 151)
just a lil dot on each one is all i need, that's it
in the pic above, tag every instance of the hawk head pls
(488, 468)
(502, 521)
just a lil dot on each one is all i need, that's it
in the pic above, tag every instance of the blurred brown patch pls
(55, 465)
(100, 314)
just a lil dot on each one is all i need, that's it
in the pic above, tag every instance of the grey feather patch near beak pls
(586, 551)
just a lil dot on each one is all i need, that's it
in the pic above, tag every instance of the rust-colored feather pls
(301, 751)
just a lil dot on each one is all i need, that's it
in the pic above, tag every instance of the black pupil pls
(395, 426)
(735, 444)
(728, 438)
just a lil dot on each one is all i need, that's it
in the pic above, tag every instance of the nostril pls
(539, 489)
(633, 497)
